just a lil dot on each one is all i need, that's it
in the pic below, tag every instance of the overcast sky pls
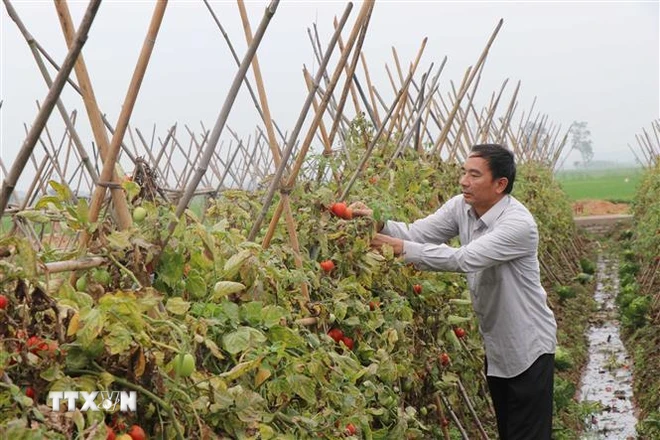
(587, 61)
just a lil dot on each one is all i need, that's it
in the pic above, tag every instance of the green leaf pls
(93, 322)
(237, 341)
(177, 306)
(34, 216)
(303, 386)
(234, 264)
(272, 315)
(288, 336)
(455, 320)
(118, 340)
(82, 211)
(45, 201)
(51, 374)
(196, 285)
(61, 190)
(251, 312)
(120, 240)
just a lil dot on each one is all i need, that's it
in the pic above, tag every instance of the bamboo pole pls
(71, 265)
(49, 82)
(224, 113)
(314, 125)
(443, 135)
(371, 91)
(470, 406)
(125, 114)
(374, 140)
(350, 73)
(9, 183)
(124, 219)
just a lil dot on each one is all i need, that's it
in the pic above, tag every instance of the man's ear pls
(502, 183)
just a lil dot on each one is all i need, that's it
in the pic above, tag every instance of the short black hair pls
(500, 161)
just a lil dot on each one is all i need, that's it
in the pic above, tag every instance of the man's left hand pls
(380, 239)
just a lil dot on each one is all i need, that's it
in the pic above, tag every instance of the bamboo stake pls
(470, 406)
(224, 113)
(9, 183)
(443, 135)
(49, 82)
(350, 73)
(125, 114)
(377, 136)
(124, 218)
(453, 415)
(310, 134)
(377, 122)
(72, 265)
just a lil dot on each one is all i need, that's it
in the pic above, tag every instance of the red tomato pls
(34, 344)
(348, 342)
(417, 288)
(327, 265)
(110, 433)
(137, 433)
(29, 391)
(459, 332)
(444, 359)
(373, 305)
(351, 429)
(3, 302)
(336, 334)
(338, 209)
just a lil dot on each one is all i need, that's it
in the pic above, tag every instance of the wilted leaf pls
(177, 306)
(120, 239)
(118, 340)
(262, 375)
(215, 351)
(224, 288)
(233, 265)
(93, 322)
(303, 386)
(240, 369)
(72, 329)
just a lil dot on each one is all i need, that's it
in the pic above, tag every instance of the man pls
(499, 254)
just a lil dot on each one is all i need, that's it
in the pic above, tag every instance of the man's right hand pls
(360, 209)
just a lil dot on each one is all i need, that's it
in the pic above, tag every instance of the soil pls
(599, 207)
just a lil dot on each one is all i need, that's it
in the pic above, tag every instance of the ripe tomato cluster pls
(337, 335)
(341, 210)
(135, 433)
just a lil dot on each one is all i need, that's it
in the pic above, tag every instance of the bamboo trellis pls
(421, 114)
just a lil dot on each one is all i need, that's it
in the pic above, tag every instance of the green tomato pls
(81, 284)
(139, 214)
(184, 365)
(101, 276)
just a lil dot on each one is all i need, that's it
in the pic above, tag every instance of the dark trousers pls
(523, 404)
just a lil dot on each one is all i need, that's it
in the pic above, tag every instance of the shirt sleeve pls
(510, 240)
(437, 228)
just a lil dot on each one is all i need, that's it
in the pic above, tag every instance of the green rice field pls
(614, 185)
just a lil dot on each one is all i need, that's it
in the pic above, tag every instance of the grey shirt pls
(499, 254)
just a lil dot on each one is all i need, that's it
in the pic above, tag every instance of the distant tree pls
(581, 141)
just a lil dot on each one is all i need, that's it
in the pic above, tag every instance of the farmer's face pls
(478, 186)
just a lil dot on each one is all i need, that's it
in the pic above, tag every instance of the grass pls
(614, 185)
